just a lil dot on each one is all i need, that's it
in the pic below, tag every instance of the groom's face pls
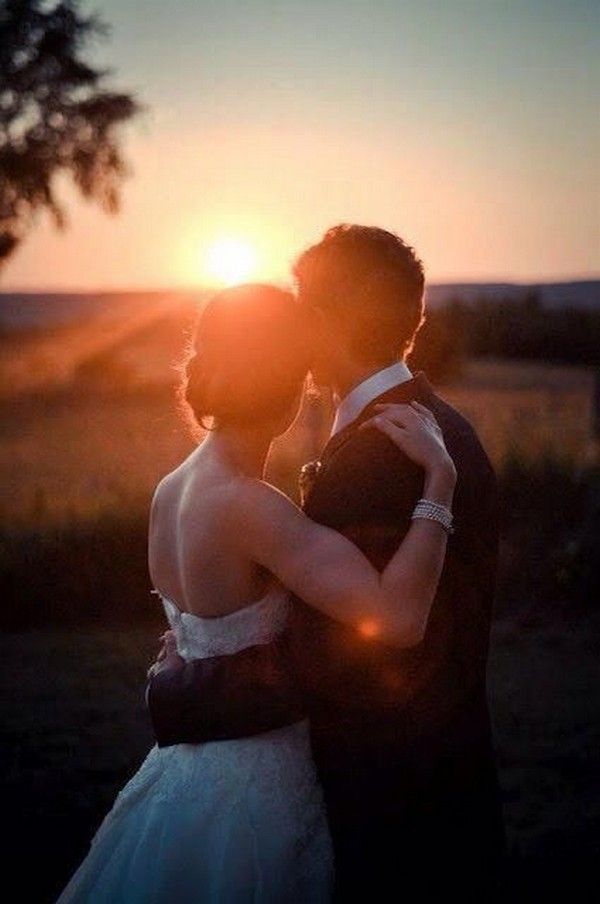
(324, 341)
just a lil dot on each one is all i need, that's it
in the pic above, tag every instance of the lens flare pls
(369, 629)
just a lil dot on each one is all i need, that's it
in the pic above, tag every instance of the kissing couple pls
(319, 705)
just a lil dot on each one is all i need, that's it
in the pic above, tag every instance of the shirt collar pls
(358, 398)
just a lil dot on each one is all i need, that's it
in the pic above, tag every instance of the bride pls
(238, 821)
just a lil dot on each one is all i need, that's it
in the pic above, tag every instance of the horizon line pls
(70, 290)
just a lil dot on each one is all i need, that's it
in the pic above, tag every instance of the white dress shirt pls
(362, 395)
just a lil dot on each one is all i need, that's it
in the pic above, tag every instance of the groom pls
(401, 738)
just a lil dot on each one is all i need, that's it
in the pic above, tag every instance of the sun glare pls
(230, 261)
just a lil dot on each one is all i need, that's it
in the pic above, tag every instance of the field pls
(81, 450)
(73, 455)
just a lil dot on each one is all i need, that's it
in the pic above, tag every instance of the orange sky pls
(472, 132)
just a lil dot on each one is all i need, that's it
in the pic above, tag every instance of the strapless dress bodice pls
(257, 623)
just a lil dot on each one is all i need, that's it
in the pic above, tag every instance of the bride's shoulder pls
(252, 497)
(261, 519)
(162, 488)
(167, 492)
(257, 488)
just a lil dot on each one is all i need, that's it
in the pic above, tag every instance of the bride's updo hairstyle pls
(247, 359)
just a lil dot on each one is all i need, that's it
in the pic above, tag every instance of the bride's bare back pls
(193, 552)
(219, 538)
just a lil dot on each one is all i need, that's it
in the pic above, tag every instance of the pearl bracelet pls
(425, 508)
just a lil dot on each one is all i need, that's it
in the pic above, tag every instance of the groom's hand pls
(168, 657)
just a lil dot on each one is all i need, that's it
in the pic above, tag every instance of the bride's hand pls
(415, 430)
(168, 657)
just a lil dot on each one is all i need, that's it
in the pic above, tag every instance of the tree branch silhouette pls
(56, 116)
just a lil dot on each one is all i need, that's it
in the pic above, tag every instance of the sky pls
(469, 127)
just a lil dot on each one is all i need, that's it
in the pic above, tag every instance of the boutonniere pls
(308, 475)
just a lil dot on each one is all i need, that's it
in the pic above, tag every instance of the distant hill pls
(40, 310)
(580, 294)
(34, 310)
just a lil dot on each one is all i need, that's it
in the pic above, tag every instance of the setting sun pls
(230, 261)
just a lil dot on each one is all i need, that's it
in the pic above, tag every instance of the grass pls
(69, 456)
(527, 410)
(73, 730)
(544, 691)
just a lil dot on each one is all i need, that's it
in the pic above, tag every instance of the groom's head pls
(363, 290)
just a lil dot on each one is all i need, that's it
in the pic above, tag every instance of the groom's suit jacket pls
(401, 738)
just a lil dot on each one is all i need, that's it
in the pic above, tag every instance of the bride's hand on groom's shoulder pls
(168, 657)
(414, 429)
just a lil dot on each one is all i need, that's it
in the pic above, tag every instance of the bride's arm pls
(330, 573)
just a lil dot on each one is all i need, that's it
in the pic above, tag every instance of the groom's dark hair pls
(373, 281)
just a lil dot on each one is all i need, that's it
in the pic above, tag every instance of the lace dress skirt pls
(226, 822)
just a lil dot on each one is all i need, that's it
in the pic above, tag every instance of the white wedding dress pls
(225, 822)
